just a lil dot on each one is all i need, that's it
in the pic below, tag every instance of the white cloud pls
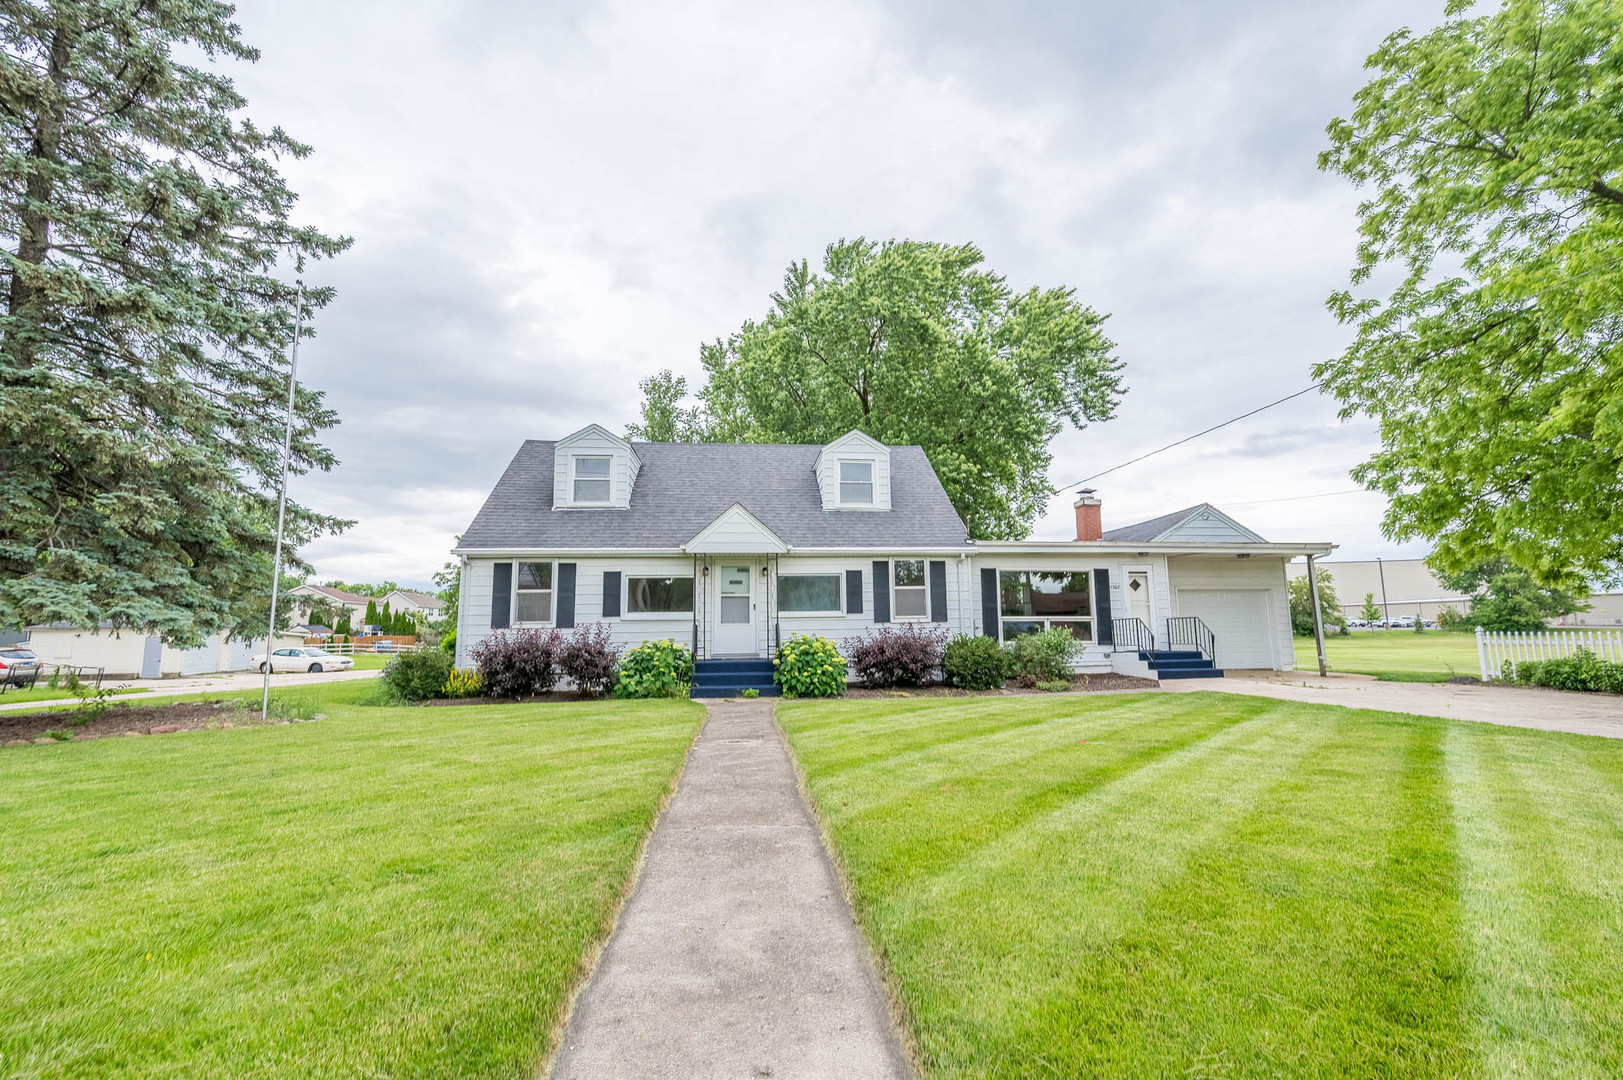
(551, 202)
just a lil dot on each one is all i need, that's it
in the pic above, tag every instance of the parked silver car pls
(18, 667)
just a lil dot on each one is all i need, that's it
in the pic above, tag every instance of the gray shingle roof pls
(1149, 530)
(682, 487)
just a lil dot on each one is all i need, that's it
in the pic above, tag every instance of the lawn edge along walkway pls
(737, 953)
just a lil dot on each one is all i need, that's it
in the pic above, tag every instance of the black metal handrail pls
(1188, 632)
(1132, 635)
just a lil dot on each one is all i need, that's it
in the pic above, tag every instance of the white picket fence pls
(1495, 649)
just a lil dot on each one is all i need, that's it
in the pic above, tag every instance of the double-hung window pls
(909, 596)
(532, 593)
(801, 593)
(1033, 600)
(591, 479)
(653, 595)
(856, 483)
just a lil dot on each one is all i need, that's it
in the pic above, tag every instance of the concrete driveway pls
(222, 683)
(1515, 706)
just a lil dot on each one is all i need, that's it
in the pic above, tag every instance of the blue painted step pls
(1180, 664)
(729, 678)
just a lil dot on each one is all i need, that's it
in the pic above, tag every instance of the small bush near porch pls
(1216, 885)
(386, 892)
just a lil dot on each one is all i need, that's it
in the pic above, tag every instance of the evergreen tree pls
(143, 338)
(386, 618)
(371, 613)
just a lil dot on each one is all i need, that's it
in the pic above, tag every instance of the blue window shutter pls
(990, 626)
(853, 592)
(1105, 632)
(938, 590)
(611, 594)
(501, 595)
(881, 591)
(566, 595)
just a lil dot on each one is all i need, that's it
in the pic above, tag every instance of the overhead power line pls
(1196, 435)
(1299, 498)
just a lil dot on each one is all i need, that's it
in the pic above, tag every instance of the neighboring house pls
(733, 548)
(131, 654)
(305, 596)
(424, 606)
(1410, 588)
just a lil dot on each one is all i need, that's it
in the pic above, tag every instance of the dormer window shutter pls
(501, 596)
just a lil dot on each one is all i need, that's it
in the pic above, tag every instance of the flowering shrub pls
(904, 655)
(1046, 654)
(416, 676)
(518, 663)
(809, 667)
(591, 660)
(656, 669)
(975, 662)
(463, 682)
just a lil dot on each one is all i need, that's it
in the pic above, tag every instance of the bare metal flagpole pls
(281, 504)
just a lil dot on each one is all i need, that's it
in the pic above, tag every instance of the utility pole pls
(1386, 612)
(281, 504)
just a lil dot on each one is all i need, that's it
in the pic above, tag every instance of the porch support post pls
(1318, 621)
(695, 607)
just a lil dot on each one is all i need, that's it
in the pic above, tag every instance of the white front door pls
(735, 611)
(1138, 595)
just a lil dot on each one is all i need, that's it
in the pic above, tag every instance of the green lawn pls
(47, 693)
(1395, 655)
(390, 892)
(1222, 886)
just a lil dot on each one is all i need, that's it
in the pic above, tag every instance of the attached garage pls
(1240, 620)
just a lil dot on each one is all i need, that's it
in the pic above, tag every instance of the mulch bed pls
(1081, 683)
(25, 728)
(533, 699)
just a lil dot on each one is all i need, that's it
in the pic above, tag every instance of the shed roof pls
(683, 487)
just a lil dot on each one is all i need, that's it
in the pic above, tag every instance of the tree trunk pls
(34, 233)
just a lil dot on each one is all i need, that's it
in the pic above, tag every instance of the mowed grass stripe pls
(1306, 891)
(1544, 896)
(1192, 986)
(389, 892)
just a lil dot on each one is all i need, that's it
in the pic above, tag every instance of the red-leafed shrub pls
(518, 663)
(905, 655)
(590, 659)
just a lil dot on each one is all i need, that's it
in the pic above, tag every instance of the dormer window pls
(856, 483)
(591, 480)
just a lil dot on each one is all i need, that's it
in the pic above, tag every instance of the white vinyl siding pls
(848, 449)
(1256, 628)
(591, 442)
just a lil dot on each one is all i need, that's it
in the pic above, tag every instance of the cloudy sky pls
(551, 201)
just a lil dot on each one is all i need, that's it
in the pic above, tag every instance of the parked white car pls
(304, 659)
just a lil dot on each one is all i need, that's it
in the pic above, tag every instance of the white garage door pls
(1239, 620)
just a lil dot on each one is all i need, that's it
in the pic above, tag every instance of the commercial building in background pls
(1411, 588)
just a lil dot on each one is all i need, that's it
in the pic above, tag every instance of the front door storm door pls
(735, 622)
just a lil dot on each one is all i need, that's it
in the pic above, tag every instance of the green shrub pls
(656, 669)
(809, 667)
(416, 676)
(1053, 686)
(750, 692)
(1452, 618)
(1046, 654)
(975, 662)
(1582, 670)
(448, 642)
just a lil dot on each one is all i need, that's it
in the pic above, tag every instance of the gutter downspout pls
(1318, 621)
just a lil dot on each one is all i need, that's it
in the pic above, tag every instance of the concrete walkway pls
(223, 682)
(736, 955)
(1515, 706)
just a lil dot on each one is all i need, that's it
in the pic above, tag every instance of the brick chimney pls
(1088, 526)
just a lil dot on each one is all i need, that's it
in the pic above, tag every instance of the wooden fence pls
(1495, 649)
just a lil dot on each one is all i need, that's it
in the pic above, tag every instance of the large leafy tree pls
(912, 343)
(1493, 151)
(143, 336)
(1505, 596)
